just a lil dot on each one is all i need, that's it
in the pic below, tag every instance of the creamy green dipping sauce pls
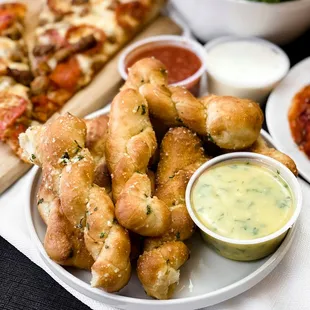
(242, 200)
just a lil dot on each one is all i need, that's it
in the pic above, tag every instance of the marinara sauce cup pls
(183, 57)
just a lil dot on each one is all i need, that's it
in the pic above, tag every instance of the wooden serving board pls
(95, 96)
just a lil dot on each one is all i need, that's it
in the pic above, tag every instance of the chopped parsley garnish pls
(102, 235)
(278, 172)
(178, 235)
(106, 246)
(78, 147)
(143, 107)
(221, 216)
(80, 225)
(65, 158)
(80, 157)
(210, 138)
(255, 231)
(148, 210)
(33, 157)
(172, 176)
(40, 200)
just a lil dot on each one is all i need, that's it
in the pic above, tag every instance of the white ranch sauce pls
(246, 63)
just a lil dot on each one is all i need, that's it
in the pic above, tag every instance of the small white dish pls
(278, 22)
(206, 279)
(253, 249)
(244, 67)
(278, 105)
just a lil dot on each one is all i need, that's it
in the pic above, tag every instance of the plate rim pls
(268, 115)
(203, 300)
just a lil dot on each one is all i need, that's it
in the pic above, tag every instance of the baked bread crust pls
(180, 156)
(130, 145)
(229, 122)
(81, 230)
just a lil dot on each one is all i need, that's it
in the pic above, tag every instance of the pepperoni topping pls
(11, 108)
(85, 38)
(9, 12)
(130, 14)
(67, 74)
(18, 10)
(55, 37)
(6, 19)
(43, 107)
(17, 130)
(55, 42)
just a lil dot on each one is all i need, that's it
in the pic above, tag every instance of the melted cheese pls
(242, 200)
(61, 27)
(105, 21)
(19, 66)
(85, 63)
(6, 82)
(99, 6)
(52, 63)
(7, 46)
(9, 85)
(20, 90)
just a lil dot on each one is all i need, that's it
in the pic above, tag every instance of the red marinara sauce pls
(180, 62)
(299, 119)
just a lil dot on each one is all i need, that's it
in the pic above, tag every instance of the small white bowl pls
(278, 22)
(258, 92)
(174, 40)
(247, 250)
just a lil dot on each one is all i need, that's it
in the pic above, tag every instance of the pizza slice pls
(15, 112)
(15, 75)
(74, 40)
(13, 52)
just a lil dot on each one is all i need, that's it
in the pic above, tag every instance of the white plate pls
(277, 109)
(206, 279)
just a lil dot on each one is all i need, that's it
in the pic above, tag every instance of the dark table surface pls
(24, 285)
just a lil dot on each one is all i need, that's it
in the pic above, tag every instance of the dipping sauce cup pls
(183, 57)
(244, 67)
(243, 219)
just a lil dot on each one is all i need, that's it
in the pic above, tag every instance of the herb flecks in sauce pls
(242, 200)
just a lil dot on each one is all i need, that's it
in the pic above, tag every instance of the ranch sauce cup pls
(244, 67)
(244, 204)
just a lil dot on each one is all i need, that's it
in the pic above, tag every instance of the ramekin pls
(192, 83)
(247, 250)
(257, 92)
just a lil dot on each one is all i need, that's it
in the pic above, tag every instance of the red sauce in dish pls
(299, 119)
(180, 62)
